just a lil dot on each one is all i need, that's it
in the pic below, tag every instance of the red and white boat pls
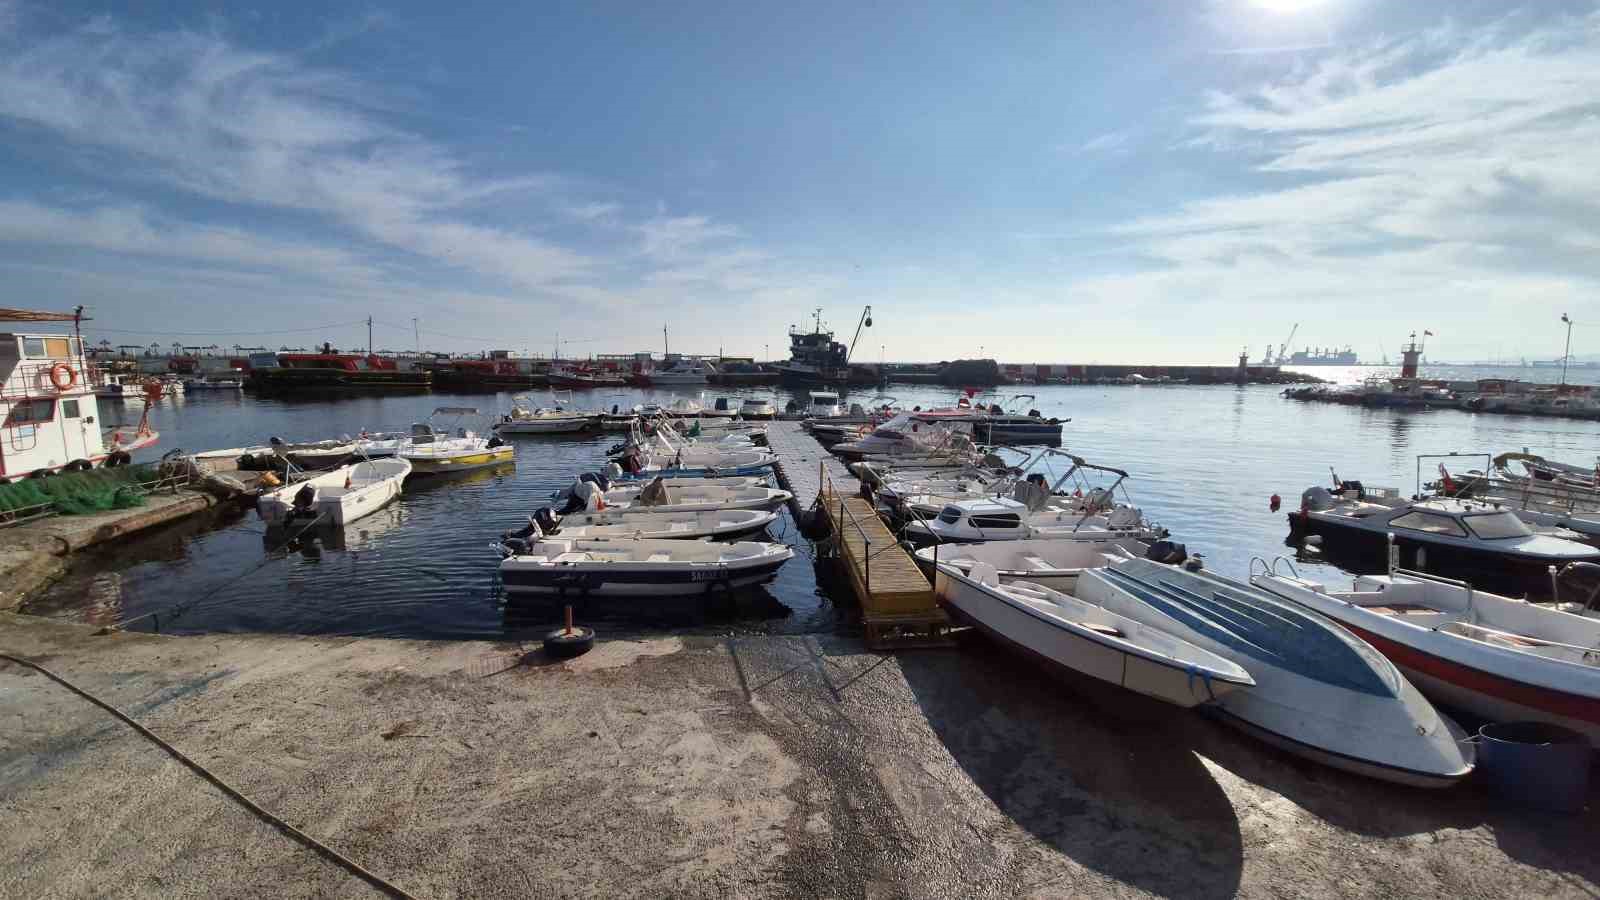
(49, 419)
(1501, 659)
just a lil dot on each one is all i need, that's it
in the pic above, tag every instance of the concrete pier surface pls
(694, 766)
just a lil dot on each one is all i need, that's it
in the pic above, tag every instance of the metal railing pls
(843, 517)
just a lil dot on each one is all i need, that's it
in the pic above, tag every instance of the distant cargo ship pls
(1321, 357)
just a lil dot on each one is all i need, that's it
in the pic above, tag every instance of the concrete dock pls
(693, 767)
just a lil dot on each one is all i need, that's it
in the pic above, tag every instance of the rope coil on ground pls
(262, 813)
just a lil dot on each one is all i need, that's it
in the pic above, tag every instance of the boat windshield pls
(1497, 526)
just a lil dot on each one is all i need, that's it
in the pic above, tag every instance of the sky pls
(1139, 182)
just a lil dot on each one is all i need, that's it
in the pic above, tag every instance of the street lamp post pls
(1568, 353)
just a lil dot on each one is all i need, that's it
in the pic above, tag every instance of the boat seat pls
(571, 556)
(1402, 609)
(1037, 564)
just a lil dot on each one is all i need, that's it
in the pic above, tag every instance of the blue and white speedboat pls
(1320, 692)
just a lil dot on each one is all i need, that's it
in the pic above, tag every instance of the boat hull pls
(444, 465)
(611, 580)
(1510, 574)
(1061, 648)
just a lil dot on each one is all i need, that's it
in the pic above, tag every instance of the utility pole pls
(1568, 353)
(416, 335)
(369, 336)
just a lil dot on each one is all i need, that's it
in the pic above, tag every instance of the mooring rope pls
(261, 812)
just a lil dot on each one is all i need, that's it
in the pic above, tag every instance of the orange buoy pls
(63, 376)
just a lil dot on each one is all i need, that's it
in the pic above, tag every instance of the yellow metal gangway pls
(898, 606)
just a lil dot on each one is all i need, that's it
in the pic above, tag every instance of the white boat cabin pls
(48, 417)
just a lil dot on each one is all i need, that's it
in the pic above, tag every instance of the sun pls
(1286, 7)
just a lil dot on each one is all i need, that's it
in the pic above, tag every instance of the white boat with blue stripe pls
(1320, 692)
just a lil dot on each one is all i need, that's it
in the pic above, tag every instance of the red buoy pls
(1274, 502)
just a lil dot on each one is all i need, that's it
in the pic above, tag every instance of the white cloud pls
(1105, 143)
(1450, 170)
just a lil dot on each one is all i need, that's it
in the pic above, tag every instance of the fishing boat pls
(669, 495)
(1068, 632)
(638, 568)
(1501, 659)
(559, 418)
(617, 493)
(1480, 542)
(720, 525)
(1000, 421)
(338, 497)
(1320, 692)
(437, 448)
(1053, 564)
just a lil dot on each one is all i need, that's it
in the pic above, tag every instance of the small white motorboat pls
(378, 444)
(526, 418)
(757, 409)
(1501, 659)
(723, 408)
(205, 383)
(1321, 692)
(674, 495)
(905, 437)
(1005, 519)
(663, 457)
(340, 497)
(1053, 564)
(823, 405)
(452, 447)
(638, 568)
(1085, 637)
(717, 525)
(315, 454)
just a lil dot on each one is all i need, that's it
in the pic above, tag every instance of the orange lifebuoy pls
(61, 372)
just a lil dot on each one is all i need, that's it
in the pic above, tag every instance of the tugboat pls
(815, 357)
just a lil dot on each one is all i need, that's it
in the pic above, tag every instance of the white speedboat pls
(674, 495)
(1320, 692)
(1085, 637)
(1008, 519)
(691, 460)
(525, 418)
(638, 568)
(315, 454)
(753, 408)
(440, 449)
(379, 444)
(616, 492)
(719, 525)
(1501, 659)
(1053, 564)
(904, 437)
(340, 497)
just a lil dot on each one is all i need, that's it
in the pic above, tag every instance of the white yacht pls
(824, 404)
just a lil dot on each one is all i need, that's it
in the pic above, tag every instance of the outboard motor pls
(304, 501)
(496, 441)
(616, 450)
(613, 409)
(1034, 414)
(598, 479)
(545, 518)
(1316, 499)
(1037, 478)
(1170, 552)
(613, 470)
(1353, 487)
(519, 540)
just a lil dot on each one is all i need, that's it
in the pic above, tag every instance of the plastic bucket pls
(1535, 765)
